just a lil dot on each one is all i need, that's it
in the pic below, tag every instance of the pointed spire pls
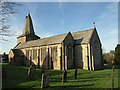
(28, 31)
(94, 25)
(28, 27)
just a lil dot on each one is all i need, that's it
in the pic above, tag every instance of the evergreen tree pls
(117, 55)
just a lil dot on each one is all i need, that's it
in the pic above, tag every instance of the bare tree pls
(7, 9)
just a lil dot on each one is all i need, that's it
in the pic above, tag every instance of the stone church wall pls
(96, 51)
(78, 56)
(21, 39)
(85, 56)
(56, 63)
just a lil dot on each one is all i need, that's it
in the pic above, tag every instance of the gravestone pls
(31, 71)
(45, 80)
(75, 73)
(38, 62)
(112, 75)
(64, 76)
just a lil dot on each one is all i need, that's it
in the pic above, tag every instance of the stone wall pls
(96, 52)
(21, 39)
(85, 56)
(78, 56)
(56, 63)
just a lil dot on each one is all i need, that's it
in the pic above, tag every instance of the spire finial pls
(94, 25)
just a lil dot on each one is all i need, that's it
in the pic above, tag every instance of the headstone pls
(64, 76)
(31, 71)
(75, 73)
(45, 80)
(112, 76)
(38, 62)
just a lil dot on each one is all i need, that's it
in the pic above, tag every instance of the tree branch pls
(6, 9)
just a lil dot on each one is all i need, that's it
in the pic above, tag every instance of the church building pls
(65, 51)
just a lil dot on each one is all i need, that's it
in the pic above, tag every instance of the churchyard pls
(16, 77)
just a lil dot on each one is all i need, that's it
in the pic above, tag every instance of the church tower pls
(28, 32)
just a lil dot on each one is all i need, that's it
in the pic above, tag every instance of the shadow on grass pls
(54, 73)
(70, 87)
(82, 80)
(73, 87)
(16, 75)
(74, 80)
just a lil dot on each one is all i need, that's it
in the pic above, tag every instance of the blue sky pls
(53, 18)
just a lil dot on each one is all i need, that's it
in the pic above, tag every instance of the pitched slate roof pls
(84, 36)
(43, 41)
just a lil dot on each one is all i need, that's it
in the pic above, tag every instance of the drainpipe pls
(88, 57)
(63, 55)
(48, 56)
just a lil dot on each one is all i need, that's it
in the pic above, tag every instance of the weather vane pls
(94, 25)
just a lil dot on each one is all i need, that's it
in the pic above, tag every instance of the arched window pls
(54, 53)
(27, 54)
(96, 49)
(43, 53)
(35, 54)
(69, 52)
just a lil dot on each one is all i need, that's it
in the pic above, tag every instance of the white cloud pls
(108, 27)
(109, 13)
(60, 6)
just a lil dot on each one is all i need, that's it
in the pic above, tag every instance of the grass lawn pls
(16, 77)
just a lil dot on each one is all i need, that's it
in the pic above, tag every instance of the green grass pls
(17, 78)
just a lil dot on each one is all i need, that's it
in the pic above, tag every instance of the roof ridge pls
(83, 30)
(58, 38)
(54, 36)
(45, 38)
(67, 33)
(62, 34)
